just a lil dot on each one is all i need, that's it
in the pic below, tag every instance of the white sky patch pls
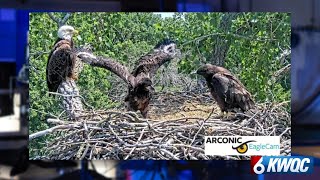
(165, 14)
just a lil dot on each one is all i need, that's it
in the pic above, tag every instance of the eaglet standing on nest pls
(229, 93)
(139, 81)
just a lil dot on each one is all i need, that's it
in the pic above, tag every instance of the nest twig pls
(124, 135)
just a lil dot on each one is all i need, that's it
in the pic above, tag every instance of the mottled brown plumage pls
(226, 89)
(140, 80)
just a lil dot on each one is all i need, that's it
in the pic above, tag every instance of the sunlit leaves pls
(256, 42)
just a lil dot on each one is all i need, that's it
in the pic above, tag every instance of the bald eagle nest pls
(176, 129)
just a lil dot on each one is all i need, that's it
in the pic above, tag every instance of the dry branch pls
(282, 71)
(51, 130)
(124, 135)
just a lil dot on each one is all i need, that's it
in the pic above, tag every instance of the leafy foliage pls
(256, 40)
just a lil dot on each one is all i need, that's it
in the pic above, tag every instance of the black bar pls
(148, 5)
(170, 5)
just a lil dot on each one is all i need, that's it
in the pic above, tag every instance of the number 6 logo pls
(259, 167)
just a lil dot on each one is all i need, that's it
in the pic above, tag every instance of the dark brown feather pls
(61, 61)
(116, 68)
(150, 63)
(226, 89)
(139, 81)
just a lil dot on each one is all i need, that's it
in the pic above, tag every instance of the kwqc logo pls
(281, 164)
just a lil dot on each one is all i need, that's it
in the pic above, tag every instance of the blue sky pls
(166, 14)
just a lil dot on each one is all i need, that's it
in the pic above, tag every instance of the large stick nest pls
(176, 130)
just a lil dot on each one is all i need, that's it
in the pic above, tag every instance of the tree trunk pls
(71, 100)
(221, 47)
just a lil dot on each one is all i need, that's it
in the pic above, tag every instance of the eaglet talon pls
(226, 115)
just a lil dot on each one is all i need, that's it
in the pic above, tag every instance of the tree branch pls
(64, 20)
(251, 38)
(281, 72)
(51, 130)
(221, 47)
(54, 18)
(60, 22)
